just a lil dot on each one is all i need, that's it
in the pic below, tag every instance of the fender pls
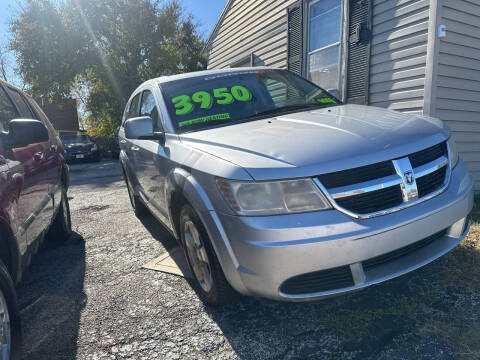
(127, 171)
(12, 243)
(182, 180)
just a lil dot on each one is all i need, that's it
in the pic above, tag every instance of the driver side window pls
(149, 108)
(133, 109)
(24, 109)
(7, 110)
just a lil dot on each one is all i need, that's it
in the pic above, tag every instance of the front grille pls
(431, 182)
(318, 281)
(399, 253)
(384, 190)
(357, 175)
(373, 201)
(425, 156)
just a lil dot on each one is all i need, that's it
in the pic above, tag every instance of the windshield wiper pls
(284, 109)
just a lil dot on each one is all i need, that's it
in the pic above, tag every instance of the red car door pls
(11, 177)
(35, 205)
(53, 155)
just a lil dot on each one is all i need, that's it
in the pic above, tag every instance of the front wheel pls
(209, 280)
(10, 330)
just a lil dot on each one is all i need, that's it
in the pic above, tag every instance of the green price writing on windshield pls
(326, 101)
(184, 106)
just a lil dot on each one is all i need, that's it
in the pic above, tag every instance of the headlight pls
(273, 197)
(94, 147)
(452, 147)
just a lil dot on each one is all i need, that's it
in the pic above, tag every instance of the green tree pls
(107, 47)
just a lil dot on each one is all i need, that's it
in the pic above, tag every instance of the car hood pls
(319, 141)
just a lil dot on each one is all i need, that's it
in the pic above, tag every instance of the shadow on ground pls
(158, 231)
(52, 288)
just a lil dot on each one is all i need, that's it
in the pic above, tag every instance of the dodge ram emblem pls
(408, 176)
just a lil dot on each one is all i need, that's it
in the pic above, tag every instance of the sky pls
(206, 12)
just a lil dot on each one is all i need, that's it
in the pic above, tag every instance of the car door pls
(152, 158)
(11, 175)
(129, 146)
(35, 204)
(54, 156)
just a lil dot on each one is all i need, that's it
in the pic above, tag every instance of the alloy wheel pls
(197, 256)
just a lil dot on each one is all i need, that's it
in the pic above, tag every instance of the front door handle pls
(123, 141)
(135, 148)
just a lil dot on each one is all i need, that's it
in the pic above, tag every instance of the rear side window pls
(149, 108)
(133, 109)
(7, 110)
(21, 103)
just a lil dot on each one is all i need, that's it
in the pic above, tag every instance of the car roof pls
(6, 83)
(164, 79)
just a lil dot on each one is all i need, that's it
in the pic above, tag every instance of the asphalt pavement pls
(90, 298)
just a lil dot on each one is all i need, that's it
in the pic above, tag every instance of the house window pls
(325, 19)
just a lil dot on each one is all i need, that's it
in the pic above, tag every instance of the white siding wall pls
(258, 26)
(398, 54)
(458, 80)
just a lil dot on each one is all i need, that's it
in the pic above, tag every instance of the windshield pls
(206, 101)
(75, 139)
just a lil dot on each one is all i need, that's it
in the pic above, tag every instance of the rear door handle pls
(135, 148)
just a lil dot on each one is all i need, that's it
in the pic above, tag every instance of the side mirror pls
(141, 128)
(23, 132)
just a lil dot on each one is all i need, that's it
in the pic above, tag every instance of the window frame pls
(127, 109)
(15, 107)
(343, 44)
(159, 125)
(22, 97)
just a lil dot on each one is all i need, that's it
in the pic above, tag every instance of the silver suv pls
(275, 188)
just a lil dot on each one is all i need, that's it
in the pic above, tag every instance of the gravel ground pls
(91, 299)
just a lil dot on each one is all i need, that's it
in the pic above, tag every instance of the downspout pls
(433, 50)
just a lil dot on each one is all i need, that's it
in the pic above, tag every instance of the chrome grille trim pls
(430, 167)
(367, 186)
(389, 181)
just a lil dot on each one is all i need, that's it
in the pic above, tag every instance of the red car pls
(34, 180)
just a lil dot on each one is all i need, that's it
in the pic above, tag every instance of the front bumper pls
(93, 155)
(258, 254)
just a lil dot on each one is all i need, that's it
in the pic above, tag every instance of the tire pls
(62, 225)
(208, 278)
(138, 207)
(12, 333)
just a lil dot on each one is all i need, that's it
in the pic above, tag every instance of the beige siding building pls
(415, 56)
